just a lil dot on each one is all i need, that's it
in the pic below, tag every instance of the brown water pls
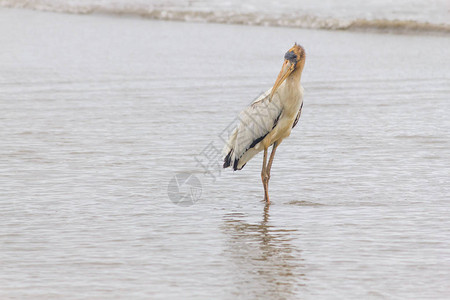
(98, 114)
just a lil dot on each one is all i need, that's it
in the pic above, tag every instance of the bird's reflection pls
(264, 262)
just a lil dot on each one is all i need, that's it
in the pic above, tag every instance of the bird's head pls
(294, 61)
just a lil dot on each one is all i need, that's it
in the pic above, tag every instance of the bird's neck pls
(295, 77)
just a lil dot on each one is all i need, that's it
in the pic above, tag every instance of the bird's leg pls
(265, 177)
(272, 155)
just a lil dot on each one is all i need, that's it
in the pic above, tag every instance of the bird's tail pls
(228, 150)
(231, 159)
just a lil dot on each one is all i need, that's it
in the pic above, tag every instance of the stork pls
(269, 119)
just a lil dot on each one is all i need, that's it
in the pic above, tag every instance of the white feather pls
(255, 122)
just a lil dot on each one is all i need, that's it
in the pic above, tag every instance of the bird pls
(269, 119)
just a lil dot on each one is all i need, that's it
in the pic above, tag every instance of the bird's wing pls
(255, 122)
(298, 116)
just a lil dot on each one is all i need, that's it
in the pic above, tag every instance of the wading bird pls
(269, 119)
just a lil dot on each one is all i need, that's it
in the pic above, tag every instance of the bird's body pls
(264, 123)
(269, 119)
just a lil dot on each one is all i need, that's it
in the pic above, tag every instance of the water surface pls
(98, 114)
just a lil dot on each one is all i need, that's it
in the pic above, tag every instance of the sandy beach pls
(99, 113)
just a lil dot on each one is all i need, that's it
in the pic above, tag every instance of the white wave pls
(162, 11)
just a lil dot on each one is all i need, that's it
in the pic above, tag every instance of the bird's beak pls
(286, 70)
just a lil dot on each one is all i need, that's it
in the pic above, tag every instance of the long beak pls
(286, 70)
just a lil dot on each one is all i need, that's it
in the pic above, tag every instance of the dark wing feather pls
(298, 116)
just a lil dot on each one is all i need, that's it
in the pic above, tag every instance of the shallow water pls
(100, 113)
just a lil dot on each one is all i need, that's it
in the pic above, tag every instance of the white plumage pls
(256, 122)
